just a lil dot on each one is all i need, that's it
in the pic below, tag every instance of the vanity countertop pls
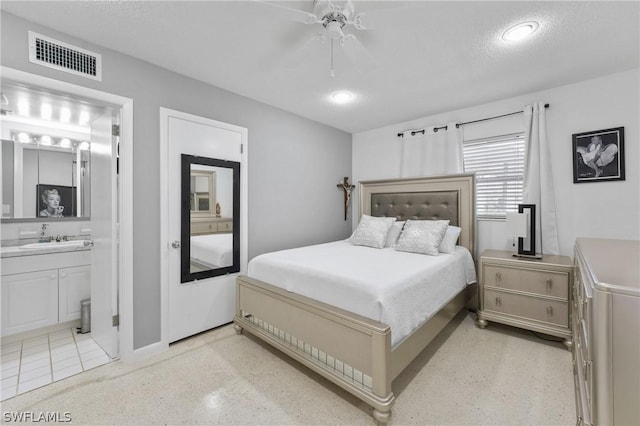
(16, 251)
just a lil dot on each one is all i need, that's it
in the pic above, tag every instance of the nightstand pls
(534, 294)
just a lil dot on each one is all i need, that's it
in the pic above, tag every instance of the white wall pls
(224, 192)
(602, 210)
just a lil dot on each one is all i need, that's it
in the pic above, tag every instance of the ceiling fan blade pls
(299, 52)
(288, 13)
(358, 54)
(384, 19)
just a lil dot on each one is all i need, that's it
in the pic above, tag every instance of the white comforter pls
(399, 289)
(213, 249)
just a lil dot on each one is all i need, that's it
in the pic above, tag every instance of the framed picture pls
(55, 201)
(598, 155)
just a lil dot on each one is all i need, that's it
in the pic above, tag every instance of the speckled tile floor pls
(467, 376)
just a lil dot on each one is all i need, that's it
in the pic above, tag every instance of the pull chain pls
(332, 73)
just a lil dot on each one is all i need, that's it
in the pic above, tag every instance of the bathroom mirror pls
(41, 180)
(46, 153)
(210, 212)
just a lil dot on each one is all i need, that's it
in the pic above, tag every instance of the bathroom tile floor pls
(37, 361)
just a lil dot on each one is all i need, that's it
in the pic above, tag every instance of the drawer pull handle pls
(498, 277)
(549, 283)
(550, 310)
(498, 301)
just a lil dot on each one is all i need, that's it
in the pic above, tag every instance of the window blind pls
(499, 166)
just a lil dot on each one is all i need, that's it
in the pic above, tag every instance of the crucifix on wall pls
(346, 188)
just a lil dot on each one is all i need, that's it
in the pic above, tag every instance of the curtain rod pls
(435, 129)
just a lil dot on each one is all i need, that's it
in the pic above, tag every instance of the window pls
(499, 166)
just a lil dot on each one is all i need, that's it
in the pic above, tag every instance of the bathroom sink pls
(53, 244)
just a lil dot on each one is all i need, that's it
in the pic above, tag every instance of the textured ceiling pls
(430, 57)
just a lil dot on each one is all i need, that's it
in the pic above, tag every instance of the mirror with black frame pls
(210, 212)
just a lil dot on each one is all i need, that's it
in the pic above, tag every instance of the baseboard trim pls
(146, 352)
(40, 331)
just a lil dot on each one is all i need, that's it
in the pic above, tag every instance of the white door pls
(104, 231)
(199, 305)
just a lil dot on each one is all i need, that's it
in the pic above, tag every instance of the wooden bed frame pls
(352, 351)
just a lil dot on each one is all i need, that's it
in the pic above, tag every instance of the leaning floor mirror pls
(210, 212)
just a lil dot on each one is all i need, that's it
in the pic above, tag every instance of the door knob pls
(175, 244)
(88, 243)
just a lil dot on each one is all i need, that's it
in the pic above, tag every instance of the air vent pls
(64, 57)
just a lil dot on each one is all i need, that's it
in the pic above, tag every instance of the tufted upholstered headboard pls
(441, 197)
(417, 205)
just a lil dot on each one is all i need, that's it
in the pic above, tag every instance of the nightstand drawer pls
(546, 283)
(203, 228)
(545, 310)
(225, 226)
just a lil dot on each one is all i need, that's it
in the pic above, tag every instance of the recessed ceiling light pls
(520, 31)
(342, 97)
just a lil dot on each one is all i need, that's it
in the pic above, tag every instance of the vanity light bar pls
(61, 142)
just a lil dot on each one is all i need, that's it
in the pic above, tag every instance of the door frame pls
(125, 195)
(165, 114)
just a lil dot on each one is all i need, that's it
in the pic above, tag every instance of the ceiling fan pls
(331, 18)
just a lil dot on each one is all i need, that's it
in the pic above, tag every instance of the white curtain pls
(538, 179)
(432, 153)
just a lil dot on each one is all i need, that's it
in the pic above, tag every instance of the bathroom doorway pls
(63, 216)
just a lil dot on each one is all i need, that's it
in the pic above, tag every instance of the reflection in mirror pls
(210, 211)
(41, 180)
(202, 190)
(46, 152)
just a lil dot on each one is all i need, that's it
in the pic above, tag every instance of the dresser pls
(606, 356)
(534, 294)
(211, 225)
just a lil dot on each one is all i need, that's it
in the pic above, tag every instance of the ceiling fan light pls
(342, 97)
(520, 31)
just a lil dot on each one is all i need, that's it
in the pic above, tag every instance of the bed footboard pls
(352, 351)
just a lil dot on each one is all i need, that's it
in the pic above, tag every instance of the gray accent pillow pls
(371, 231)
(422, 236)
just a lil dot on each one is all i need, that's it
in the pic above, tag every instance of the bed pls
(359, 352)
(212, 250)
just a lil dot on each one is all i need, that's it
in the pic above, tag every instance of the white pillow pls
(422, 236)
(372, 231)
(394, 233)
(448, 244)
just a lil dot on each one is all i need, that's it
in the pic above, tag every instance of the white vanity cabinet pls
(44, 289)
(74, 284)
(29, 301)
